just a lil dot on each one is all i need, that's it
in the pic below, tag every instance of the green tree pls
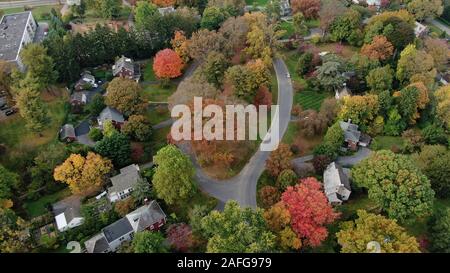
(433, 161)
(214, 68)
(439, 230)
(32, 109)
(334, 137)
(96, 106)
(174, 176)
(144, 10)
(299, 24)
(8, 182)
(40, 66)
(304, 63)
(380, 79)
(423, 9)
(115, 147)
(346, 26)
(124, 95)
(95, 134)
(213, 17)
(142, 191)
(355, 236)
(330, 75)
(237, 230)
(110, 9)
(415, 63)
(137, 127)
(395, 184)
(149, 242)
(13, 234)
(286, 178)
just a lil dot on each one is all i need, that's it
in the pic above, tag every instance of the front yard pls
(39, 207)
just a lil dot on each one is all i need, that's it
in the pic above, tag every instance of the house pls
(166, 10)
(86, 81)
(67, 213)
(420, 30)
(79, 98)
(73, 2)
(148, 217)
(370, 3)
(336, 184)
(16, 31)
(111, 114)
(123, 183)
(67, 133)
(126, 68)
(344, 92)
(352, 136)
(285, 8)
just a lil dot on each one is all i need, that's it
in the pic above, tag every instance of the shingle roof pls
(128, 177)
(351, 131)
(117, 229)
(12, 28)
(111, 114)
(333, 180)
(67, 131)
(145, 216)
(123, 62)
(96, 244)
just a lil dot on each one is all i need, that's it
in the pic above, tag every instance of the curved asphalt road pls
(242, 187)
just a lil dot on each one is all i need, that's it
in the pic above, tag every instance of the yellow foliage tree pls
(289, 240)
(443, 104)
(180, 45)
(83, 174)
(277, 217)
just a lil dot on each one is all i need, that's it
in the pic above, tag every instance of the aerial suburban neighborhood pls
(224, 126)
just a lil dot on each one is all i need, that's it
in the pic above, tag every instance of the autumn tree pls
(395, 184)
(83, 174)
(423, 9)
(32, 109)
(235, 30)
(167, 64)
(362, 110)
(8, 182)
(263, 97)
(310, 8)
(180, 45)
(299, 24)
(246, 80)
(412, 99)
(286, 178)
(415, 65)
(279, 160)
(309, 210)
(237, 230)
(440, 52)
(174, 175)
(149, 242)
(214, 68)
(180, 237)
(311, 123)
(269, 195)
(329, 11)
(379, 49)
(204, 41)
(433, 162)
(115, 147)
(233, 7)
(137, 127)
(123, 207)
(124, 95)
(278, 220)
(213, 17)
(380, 79)
(355, 236)
(13, 233)
(164, 3)
(442, 96)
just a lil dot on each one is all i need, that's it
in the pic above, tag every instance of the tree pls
(395, 185)
(40, 67)
(433, 162)
(329, 11)
(214, 68)
(273, 10)
(13, 233)
(213, 17)
(362, 110)
(180, 237)
(286, 178)
(310, 8)
(32, 109)
(277, 217)
(442, 96)
(124, 95)
(123, 207)
(142, 191)
(96, 106)
(95, 134)
(412, 99)
(269, 195)
(174, 176)
(304, 63)
(309, 210)
(289, 240)
(233, 7)
(83, 174)
(414, 63)
(355, 236)
(279, 160)
(149, 242)
(394, 125)
(195, 218)
(110, 9)
(8, 182)
(434, 134)
(346, 27)
(330, 75)
(109, 128)
(311, 123)
(423, 9)
(439, 230)
(204, 41)
(380, 79)
(299, 24)
(263, 97)
(115, 147)
(438, 49)
(180, 45)
(321, 162)
(237, 230)
(137, 127)
(143, 11)
(167, 64)
(380, 49)
(235, 30)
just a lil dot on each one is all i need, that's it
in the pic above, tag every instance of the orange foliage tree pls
(164, 3)
(279, 160)
(180, 45)
(309, 8)
(167, 64)
(380, 49)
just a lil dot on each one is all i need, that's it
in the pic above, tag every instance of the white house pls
(16, 31)
(67, 213)
(375, 3)
(336, 184)
(123, 183)
(420, 29)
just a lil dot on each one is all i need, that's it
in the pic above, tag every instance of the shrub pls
(95, 134)
(269, 195)
(434, 134)
(286, 178)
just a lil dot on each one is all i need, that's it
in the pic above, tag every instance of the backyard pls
(39, 207)
(41, 13)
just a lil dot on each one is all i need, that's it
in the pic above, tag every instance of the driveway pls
(31, 3)
(242, 187)
(40, 32)
(441, 26)
(82, 131)
(354, 159)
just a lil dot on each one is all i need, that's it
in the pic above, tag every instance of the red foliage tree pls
(310, 211)
(263, 97)
(167, 64)
(180, 237)
(309, 8)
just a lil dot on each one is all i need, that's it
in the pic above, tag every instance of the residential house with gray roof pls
(67, 133)
(336, 184)
(111, 114)
(124, 182)
(16, 31)
(353, 136)
(126, 68)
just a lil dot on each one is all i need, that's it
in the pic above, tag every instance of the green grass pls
(313, 23)
(159, 139)
(386, 142)
(289, 28)
(257, 2)
(291, 133)
(149, 74)
(156, 117)
(38, 207)
(39, 13)
(157, 93)
(310, 99)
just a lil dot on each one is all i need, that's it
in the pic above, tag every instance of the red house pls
(126, 68)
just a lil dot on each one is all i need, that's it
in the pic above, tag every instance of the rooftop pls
(12, 27)
(127, 178)
(145, 216)
(111, 114)
(117, 230)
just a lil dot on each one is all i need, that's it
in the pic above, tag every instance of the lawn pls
(386, 142)
(346, 51)
(310, 99)
(257, 2)
(156, 116)
(38, 207)
(40, 13)
(157, 93)
(289, 28)
(20, 141)
(149, 74)
(305, 144)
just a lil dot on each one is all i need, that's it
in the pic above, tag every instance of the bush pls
(269, 196)
(304, 63)
(434, 134)
(95, 134)
(316, 39)
(286, 178)
(320, 163)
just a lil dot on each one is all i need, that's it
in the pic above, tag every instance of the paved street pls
(31, 3)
